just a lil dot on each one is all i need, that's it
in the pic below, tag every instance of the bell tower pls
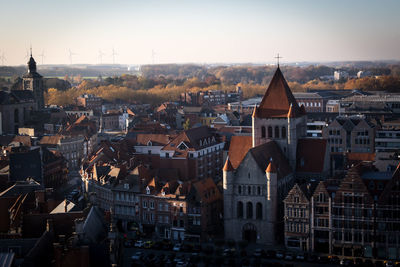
(33, 81)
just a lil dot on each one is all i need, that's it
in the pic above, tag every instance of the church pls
(262, 168)
(16, 106)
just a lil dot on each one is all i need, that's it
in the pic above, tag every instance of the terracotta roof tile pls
(277, 99)
(238, 149)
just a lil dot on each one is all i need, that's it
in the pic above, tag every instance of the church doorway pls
(249, 233)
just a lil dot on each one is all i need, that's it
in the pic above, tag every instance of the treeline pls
(139, 89)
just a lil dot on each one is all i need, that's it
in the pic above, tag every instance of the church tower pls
(33, 81)
(279, 118)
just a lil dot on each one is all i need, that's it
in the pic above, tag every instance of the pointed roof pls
(228, 166)
(271, 167)
(277, 99)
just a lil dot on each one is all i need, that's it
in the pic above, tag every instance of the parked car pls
(139, 244)
(289, 256)
(148, 244)
(279, 254)
(137, 256)
(346, 262)
(259, 252)
(177, 247)
(300, 256)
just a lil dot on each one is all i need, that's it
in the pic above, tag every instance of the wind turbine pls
(101, 54)
(153, 56)
(27, 55)
(113, 55)
(42, 56)
(70, 56)
(2, 58)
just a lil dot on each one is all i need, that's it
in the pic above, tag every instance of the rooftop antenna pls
(113, 55)
(42, 56)
(277, 59)
(101, 54)
(153, 56)
(70, 54)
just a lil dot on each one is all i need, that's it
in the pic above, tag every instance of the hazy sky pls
(199, 31)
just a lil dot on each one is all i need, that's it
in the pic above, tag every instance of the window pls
(258, 190)
(249, 190)
(276, 132)
(145, 204)
(167, 155)
(249, 210)
(262, 132)
(151, 204)
(269, 131)
(259, 211)
(283, 132)
(239, 189)
(239, 210)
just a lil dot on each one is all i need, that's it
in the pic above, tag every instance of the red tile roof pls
(238, 149)
(156, 139)
(277, 99)
(361, 156)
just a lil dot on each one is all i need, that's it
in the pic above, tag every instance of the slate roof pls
(263, 154)
(311, 155)
(277, 99)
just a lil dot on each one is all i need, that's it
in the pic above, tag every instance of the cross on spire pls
(277, 58)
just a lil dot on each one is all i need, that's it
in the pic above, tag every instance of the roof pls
(155, 139)
(193, 139)
(263, 154)
(228, 166)
(238, 149)
(6, 259)
(24, 139)
(271, 168)
(361, 156)
(63, 207)
(277, 99)
(207, 190)
(311, 155)
(51, 139)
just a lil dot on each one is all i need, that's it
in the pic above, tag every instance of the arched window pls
(276, 132)
(262, 132)
(259, 211)
(16, 115)
(269, 131)
(249, 210)
(283, 132)
(239, 209)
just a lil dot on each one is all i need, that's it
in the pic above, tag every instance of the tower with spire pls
(279, 118)
(33, 81)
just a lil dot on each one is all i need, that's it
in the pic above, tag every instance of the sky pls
(185, 31)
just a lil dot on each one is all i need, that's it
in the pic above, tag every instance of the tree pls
(186, 125)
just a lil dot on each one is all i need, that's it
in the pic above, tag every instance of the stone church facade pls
(256, 179)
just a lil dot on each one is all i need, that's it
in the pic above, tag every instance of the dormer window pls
(163, 193)
(149, 143)
(147, 190)
(182, 146)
